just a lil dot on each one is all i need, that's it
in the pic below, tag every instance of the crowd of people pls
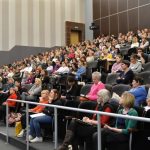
(38, 77)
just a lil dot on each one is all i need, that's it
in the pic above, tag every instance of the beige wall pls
(37, 22)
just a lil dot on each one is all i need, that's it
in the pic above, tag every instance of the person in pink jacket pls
(96, 86)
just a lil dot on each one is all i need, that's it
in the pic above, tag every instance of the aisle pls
(5, 146)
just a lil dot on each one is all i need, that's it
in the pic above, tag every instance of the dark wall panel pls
(113, 6)
(114, 24)
(127, 15)
(144, 17)
(133, 19)
(142, 2)
(122, 5)
(96, 10)
(105, 25)
(104, 8)
(123, 27)
(132, 3)
(98, 31)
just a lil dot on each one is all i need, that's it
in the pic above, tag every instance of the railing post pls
(7, 132)
(27, 125)
(56, 131)
(99, 132)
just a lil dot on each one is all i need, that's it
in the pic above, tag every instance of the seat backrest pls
(146, 76)
(120, 88)
(85, 89)
(89, 105)
(141, 113)
(111, 78)
(147, 124)
(146, 66)
(92, 64)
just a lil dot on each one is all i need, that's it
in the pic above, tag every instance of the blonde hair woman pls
(119, 133)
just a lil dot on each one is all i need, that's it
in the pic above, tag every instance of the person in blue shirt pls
(138, 90)
(80, 71)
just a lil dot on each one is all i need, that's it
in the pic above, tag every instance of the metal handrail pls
(72, 109)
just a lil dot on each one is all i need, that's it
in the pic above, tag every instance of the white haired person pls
(112, 136)
(84, 129)
(96, 86)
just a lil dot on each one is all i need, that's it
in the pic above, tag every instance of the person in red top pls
(38, 109)
(84, 129)
(13, 95)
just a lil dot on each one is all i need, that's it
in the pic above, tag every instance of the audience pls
(39, 108)
(78, 129)
(119, 133)
(45, 118)
(20, 77)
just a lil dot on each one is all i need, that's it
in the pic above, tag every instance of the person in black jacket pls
(73, 89)
(125, 76)
(45, 118)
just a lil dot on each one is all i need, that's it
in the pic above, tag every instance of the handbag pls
(18, 128)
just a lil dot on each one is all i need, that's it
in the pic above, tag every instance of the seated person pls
(83, 129)
(97, 85)
(46, 118)
(32, 94)
(45, 79)
(4, 92)
(12, 95)
(119, 133)
(39, 108)
(135, 65)
(116, 67)
(142, 57)
(125, 76)
(80, 71)
(72, 88)
(138, 90)
(63, 69)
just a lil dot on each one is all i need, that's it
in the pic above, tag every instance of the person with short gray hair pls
(103, 96)
(85, 128)
(96, 86)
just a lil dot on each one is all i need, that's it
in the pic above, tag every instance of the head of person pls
(54, 94)
(133, 58)
(44, 73)
(17, 83)
(118, 58)
(135, 39)
(127, 100)
(63, 64)
(81, 63)
(71, 80)
(137, 81)
(45, 94)
(140, 52)
(96, 77)
(38, 81)
(10, 81)
(125, 64)
(103, 96)
(12, 90)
